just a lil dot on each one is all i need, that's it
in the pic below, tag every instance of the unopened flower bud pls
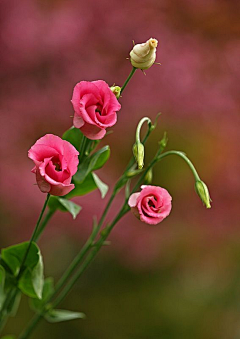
(144, 55)
(138, 152)
(148, 177)
(116, 91)
(202, 191)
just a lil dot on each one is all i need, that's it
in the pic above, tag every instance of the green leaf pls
(13, 256)
(103, 188)
(32, 280)
(74, 136)
(9, 336)
(92, 163)
(87, 186)
(64, 205)
(55, 316)
(71, 207)
(48, 289)
(2, 283)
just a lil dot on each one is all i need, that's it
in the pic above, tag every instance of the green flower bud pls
(148, 177)
(202, 191)
(138, 152)
(133, 173)
(116, 91)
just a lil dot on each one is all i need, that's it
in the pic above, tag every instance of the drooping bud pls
(138, 152)
(143, 55)
(116, 91)
(202, 191)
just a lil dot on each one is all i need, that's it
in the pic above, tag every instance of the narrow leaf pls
(71, 207)
(55, 316)
(64, 205)
(103, 188)
(48, 289)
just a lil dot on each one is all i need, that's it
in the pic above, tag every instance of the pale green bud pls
(116, 91)
(148, 177)
(133, 173)
(138, 152)
(202, 191)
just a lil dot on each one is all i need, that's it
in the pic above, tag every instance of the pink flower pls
(56, 162)
(151, 205)
(95, 108)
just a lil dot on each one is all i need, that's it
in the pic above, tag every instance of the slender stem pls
(141, 122)
(25, 334)
(33, 235)
(82, 148)
(43, 224)
(128, 79)
(90, 257)
(12, 293)
(184, 157)
(35, 320)
(104, 234)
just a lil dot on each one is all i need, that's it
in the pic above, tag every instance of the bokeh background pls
(180, 279)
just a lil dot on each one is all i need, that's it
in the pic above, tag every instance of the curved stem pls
(128, 79)
(184, 157)
(141, 122)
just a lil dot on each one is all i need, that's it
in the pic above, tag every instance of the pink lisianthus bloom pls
(56, 161)
(151, 205)
(95, 108)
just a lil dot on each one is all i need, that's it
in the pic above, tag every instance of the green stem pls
(10, 296)
(43, 224)
(33, 236)
(88, 245)
(128, 79)
(184, 157)
(104, 234)
(35, 320)
(90, 257)
(141, 122)
(82, 149)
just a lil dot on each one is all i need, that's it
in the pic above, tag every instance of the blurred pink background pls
(46, 47)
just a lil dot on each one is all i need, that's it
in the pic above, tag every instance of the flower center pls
(151, 204)
(98, 110)
(57, 164)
